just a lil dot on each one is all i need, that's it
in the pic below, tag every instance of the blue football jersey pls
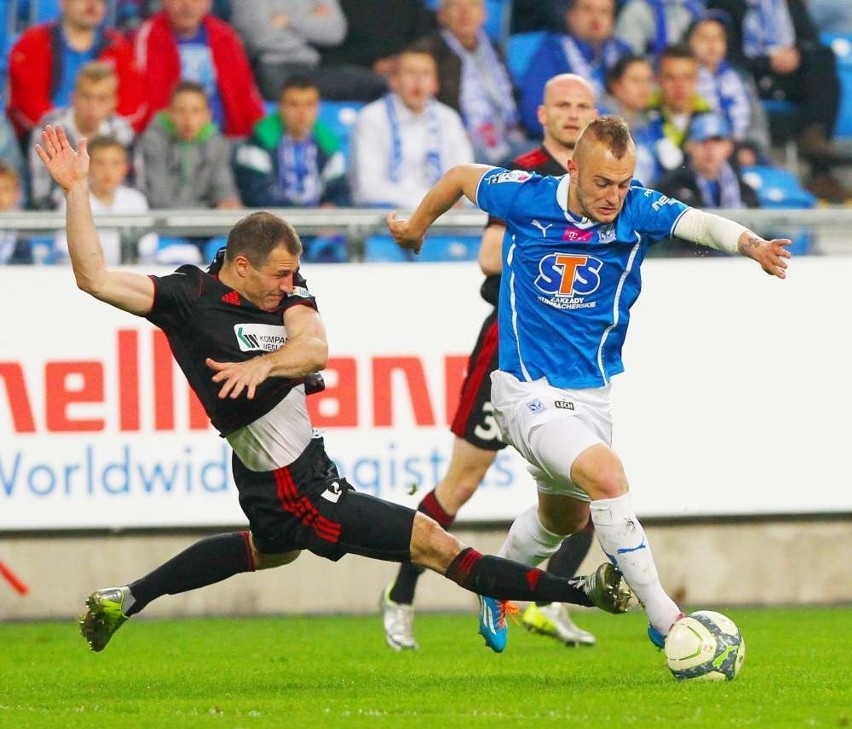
(568, 282)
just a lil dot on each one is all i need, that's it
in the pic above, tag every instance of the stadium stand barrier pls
(454, 236)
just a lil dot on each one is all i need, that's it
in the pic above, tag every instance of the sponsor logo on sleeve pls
(509, 176)
(301, 292)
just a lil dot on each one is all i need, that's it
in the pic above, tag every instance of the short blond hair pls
(95, 72)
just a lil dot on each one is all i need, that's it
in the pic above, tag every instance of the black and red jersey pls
(537, 160)
(202, 317)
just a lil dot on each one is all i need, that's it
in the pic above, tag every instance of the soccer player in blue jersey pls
(571, 258)
(568, 105)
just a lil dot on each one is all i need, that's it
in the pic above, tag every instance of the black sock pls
(205, 562)
(406, 579)
(508, 580)
(571, 554)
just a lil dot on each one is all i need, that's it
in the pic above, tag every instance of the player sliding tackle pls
(571, 257)
(289, 489)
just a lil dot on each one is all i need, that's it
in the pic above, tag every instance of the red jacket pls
(35, 69)
(157, 57)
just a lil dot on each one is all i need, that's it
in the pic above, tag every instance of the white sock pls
(623, 539)
(528, 542)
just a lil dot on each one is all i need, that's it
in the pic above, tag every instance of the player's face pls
(591, 20)
(709, 43)
(678, 81)
(635, 88)
(299, 109)
(464, 19)
(185, 16)
(108, 169)
(599, 182)
(568, 106)
(94, 101)
(83, 14)
(416, 80)
(267, 285)
(189, 113)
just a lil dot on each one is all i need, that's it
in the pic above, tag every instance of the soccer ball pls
(705, 645)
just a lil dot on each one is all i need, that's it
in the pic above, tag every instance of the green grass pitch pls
(337, 672)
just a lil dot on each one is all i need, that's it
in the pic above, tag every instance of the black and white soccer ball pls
(705, 645)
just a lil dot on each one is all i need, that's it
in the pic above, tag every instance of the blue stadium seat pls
(382, 248)
(777, 187)
(780, 188)
(339, 116)
(32, 12)
(325, 249)
(841, 44)
(210, 248)
(520, 49)
(450, 247)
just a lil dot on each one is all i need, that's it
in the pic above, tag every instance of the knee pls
(600, 474)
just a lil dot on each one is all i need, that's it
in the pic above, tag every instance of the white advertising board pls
(735, 400)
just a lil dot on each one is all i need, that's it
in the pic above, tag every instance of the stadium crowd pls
(216, 104)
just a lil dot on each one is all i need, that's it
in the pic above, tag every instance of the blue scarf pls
(486, 118)
(433, 151)
(662, 39)
(767, 24)
(298, 173)
(729, 189)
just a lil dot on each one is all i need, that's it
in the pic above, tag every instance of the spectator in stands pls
(291, 160)
(729, 91)
(13, 248)
(672, 111)
(405, 141)
(186, 42)
(588, 49)
(709, 179)
(650, 26)
(630, 87)
(109, 166)
(283, 39)
(473, 80)
(44, 62)
(779, 44)
(375, 46)
(91, 113)
(186, 159)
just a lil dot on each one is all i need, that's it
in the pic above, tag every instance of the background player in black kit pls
(246, 339)
(568, 105)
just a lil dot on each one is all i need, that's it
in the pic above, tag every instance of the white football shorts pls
(550, 427)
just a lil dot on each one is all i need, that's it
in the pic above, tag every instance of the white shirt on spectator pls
(372, 152)
(126, 200)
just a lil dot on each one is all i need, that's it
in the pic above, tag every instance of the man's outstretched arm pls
(132, 292)
(722, 234)
(446, 192)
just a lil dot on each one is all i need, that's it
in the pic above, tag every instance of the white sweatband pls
(709, 229)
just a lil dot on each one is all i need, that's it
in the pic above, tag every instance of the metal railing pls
(832, 226)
